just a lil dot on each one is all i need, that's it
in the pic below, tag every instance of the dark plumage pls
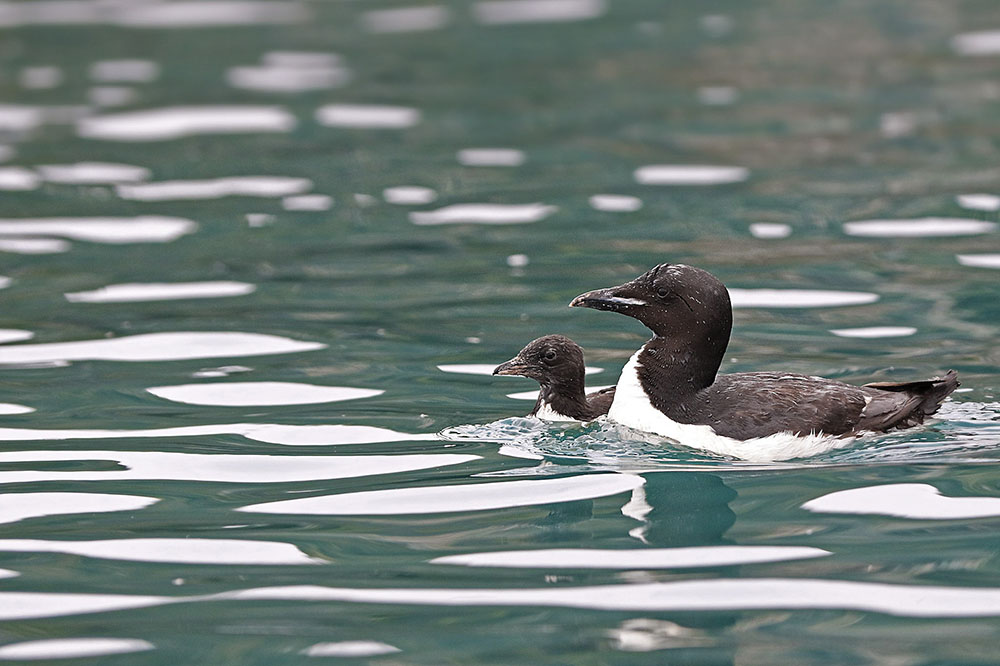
(689, 312)
(556, 363)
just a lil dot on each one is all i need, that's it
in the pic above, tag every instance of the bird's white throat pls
(547, 413)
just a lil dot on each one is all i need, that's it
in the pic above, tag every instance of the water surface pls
(258, 258)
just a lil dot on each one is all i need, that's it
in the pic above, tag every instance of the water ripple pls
(215, 188)
(798, 298)
(112, 230)
(92, 173)
(483, 213)
(690, 174)
(919, 501)
(405, 19)
(234, 394)
(157, 291)
(461, 498)
(352, 649)
(174, 346)
(503, 12)
(367, 116)
(72, 648)
(220, 468)
(924, 227)
(290, 435)
(182, 121)
(633, 558)
(22, 506)
(189, 550)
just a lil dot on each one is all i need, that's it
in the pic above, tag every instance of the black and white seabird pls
(556, 363)
(671, 386)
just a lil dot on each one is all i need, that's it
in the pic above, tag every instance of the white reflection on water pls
(222, 468)
(979, 43)
(156, 291)
(487, 369)
(770, 230)
(156, 347)
(690, 174)
(728, 594)
(92, 173)
(905, 500)
(499, 12)
(232, 394)
(979, 260)
(130, 70)
(4, 282)
(798, 298)
(615, 203)
(315, 202)
(718, 95)
(279, 73)
(201, 14)
(214, 188)
(151, 14)
(7, 573)
(34, 245)
(484, 214)
(405, 19)
(987, 202)
(367, 116)
(291, 435)
(484, 157)
(72, 648)
(27, 605)
(111, 95)
(349, 649)
(12, 408)
(409, 195)
(19, 118)
(180, 551)
(14, 335)
(14, 178)
(874, 332)
(924, 227)
(688, 595)
(21, 506)
(113, 230)
(461, 498)
(641, 558)
(181, 121)
(40, 77)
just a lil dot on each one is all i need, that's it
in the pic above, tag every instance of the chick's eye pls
(549, 355)
(662, 292)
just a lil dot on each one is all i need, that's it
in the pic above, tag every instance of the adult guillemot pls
(556, 363)
(671, 386)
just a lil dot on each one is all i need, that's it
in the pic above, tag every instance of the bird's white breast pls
(631, 407)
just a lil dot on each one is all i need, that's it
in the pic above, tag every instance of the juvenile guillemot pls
(556, 363)
(671, 386)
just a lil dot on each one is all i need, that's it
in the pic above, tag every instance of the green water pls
(143, 519)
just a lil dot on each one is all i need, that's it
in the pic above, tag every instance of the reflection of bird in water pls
(556, 363)
(671, 386)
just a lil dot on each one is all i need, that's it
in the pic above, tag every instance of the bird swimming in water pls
(556, 363)
(672, 386)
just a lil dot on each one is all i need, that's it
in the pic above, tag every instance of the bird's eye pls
(549, 355)
(662, 292)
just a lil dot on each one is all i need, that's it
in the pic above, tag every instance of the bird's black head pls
(672, 300)
(552, 360)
